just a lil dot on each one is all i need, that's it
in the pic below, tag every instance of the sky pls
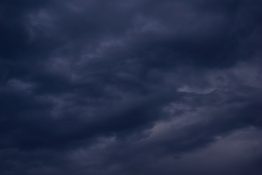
(130, 87)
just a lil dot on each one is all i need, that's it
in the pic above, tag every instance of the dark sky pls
(130, 87)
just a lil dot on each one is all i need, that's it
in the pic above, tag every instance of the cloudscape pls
(130, 87)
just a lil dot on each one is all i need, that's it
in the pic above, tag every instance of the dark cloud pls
(130, 87)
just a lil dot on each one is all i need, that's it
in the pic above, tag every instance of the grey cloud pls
(129, 87)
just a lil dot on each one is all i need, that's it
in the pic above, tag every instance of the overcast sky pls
(130, 87)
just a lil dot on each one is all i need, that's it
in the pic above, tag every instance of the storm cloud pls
(130, 87)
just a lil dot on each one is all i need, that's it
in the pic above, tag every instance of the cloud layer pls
(130, 87)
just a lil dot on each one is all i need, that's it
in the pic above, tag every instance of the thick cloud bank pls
(130, 87)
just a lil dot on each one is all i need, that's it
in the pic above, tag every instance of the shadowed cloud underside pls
(130, 87)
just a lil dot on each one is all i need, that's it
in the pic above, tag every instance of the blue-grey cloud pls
(130, 87)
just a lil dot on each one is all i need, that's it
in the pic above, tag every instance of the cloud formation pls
(130, 87)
